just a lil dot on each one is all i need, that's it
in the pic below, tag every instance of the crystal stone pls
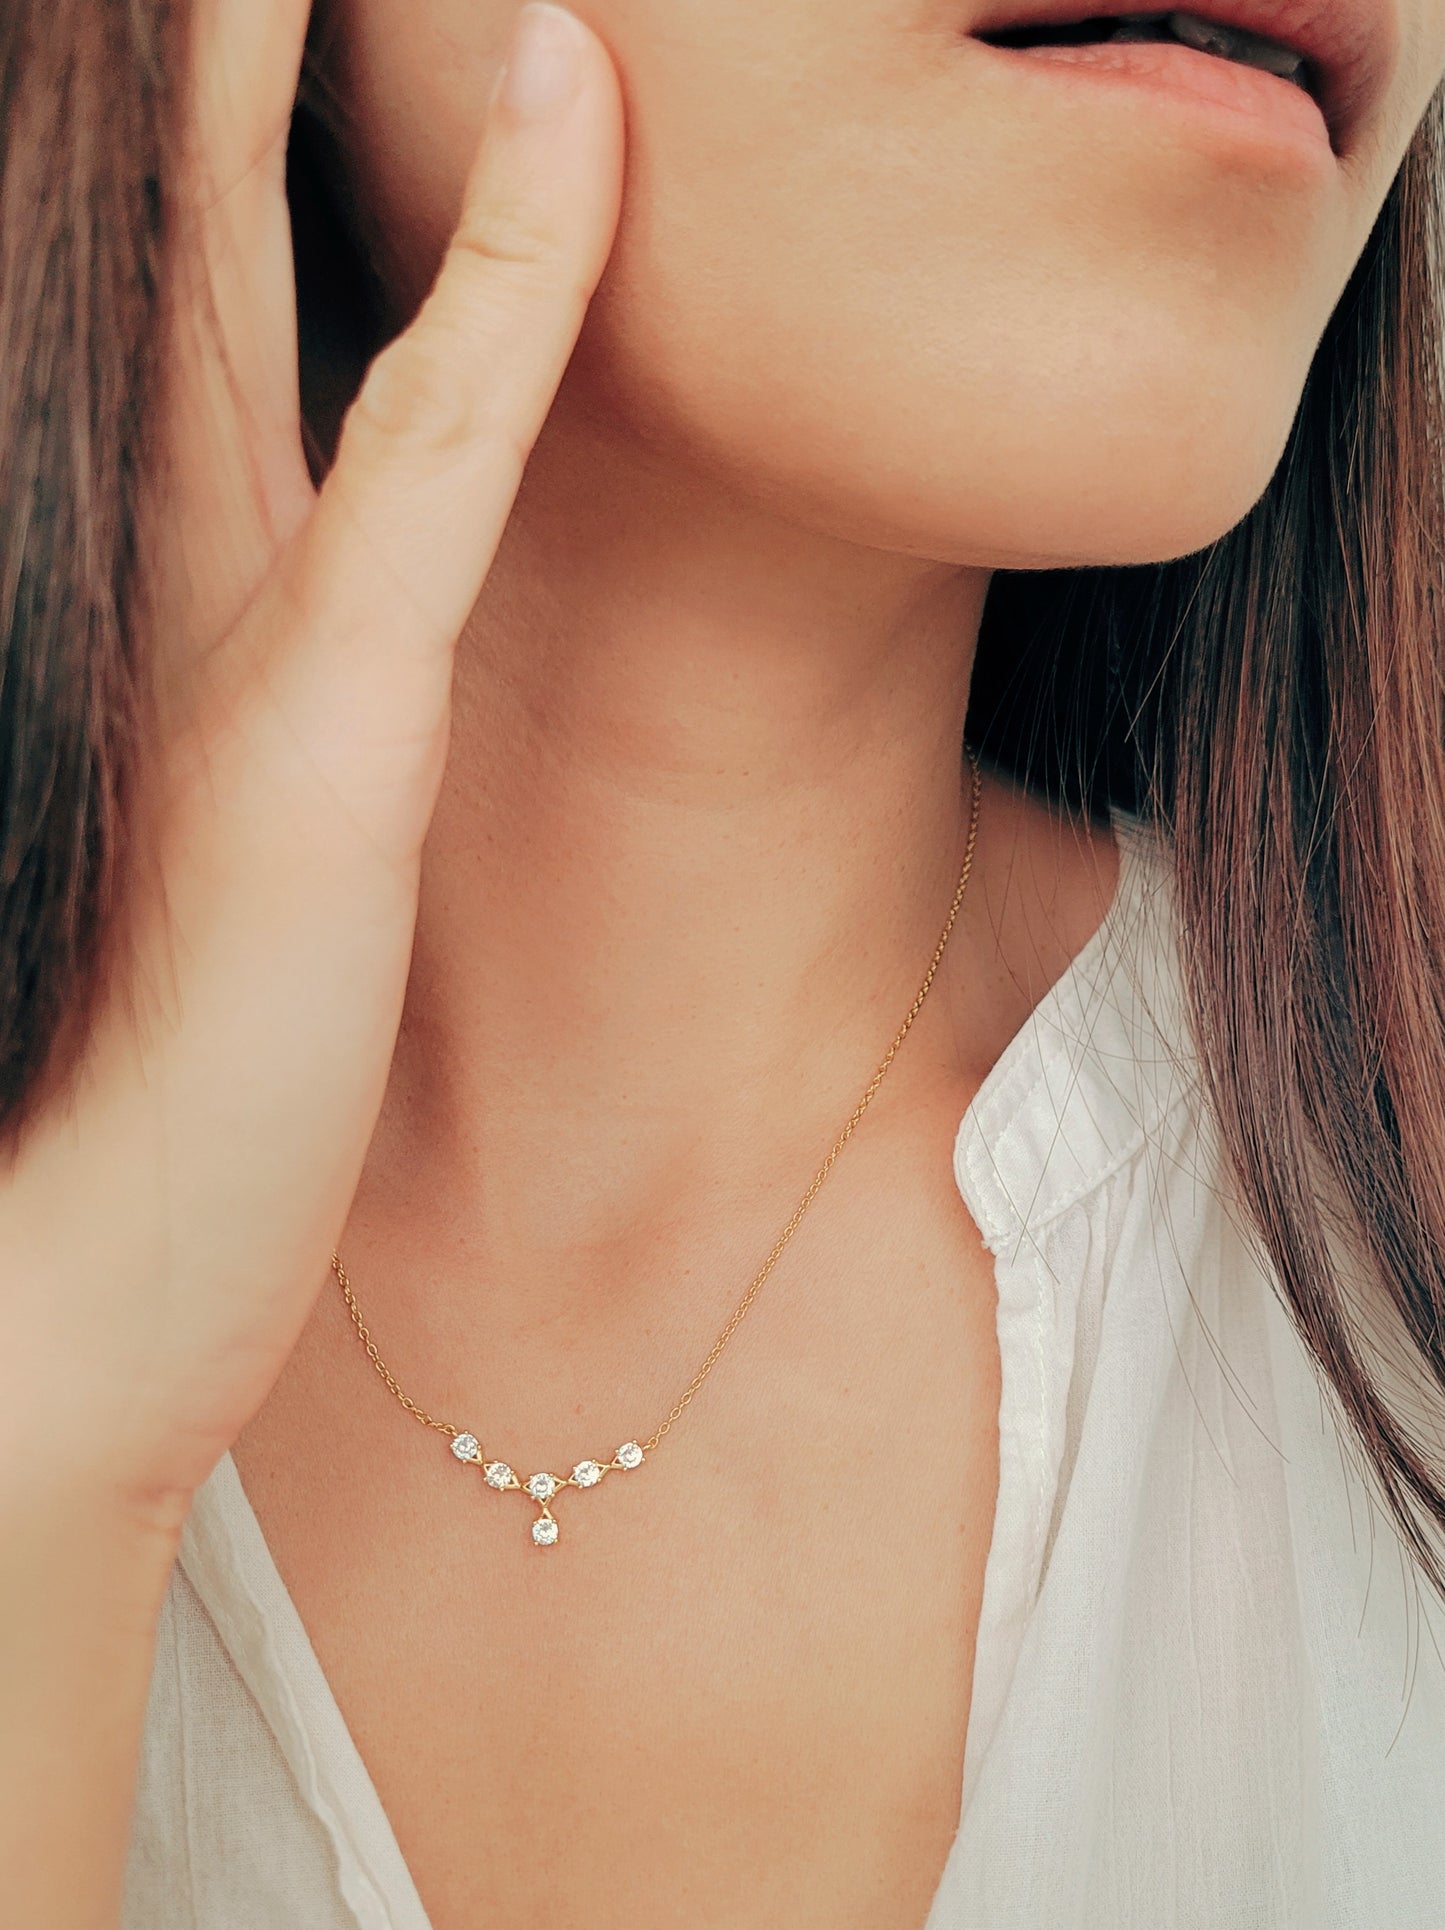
(544, 1531)
(466, 1447)
(542, 1487)
(630, 1454)
(499, 1475)
(587, 1474)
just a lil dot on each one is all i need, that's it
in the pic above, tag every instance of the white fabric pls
(1207, 1692)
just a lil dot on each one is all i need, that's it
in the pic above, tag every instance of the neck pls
(702, 820)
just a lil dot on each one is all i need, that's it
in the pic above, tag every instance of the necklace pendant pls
(541, 1487)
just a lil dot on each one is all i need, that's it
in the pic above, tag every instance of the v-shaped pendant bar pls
(541, 1487)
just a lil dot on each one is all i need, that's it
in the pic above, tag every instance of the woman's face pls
(981, 306)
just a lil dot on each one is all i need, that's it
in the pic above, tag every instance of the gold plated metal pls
(543, 1487)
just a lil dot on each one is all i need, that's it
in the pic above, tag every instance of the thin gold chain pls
(684, 1400)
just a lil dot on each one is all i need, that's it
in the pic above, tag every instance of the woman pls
(460, 913)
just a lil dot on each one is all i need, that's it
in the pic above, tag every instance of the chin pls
(1121, 420)
(1144, 474)
(1133, 471)
(1117, 499)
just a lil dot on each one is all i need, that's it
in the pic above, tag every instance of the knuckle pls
(404, 394)
(446, 383)
(510, 238)
(435, 391)
(411, 392)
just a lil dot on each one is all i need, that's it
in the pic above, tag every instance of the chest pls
(736, 1690)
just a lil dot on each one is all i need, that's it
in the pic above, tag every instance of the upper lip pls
(1348, 45)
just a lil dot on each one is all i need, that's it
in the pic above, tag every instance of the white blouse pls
(1208, 1689)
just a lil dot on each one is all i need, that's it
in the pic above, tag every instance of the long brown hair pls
(1273, 704)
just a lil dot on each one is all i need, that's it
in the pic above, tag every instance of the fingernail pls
(544, 63)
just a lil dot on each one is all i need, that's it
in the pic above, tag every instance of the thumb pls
(392, 560)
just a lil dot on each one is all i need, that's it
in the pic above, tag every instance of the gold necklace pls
(586, 1474)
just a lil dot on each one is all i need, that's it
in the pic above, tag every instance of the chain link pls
(363, 1333)
(685, 1399)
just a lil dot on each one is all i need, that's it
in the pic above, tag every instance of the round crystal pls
(587, 1474)
(544, 1531)
(466, 1447)
(499, 1475)
(630, 1454)
(542, 1487)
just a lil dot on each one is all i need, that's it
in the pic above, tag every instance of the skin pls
(730, 676)
(542, 993)
(853, 283)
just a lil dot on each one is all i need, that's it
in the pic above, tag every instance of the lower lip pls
(1259, 107)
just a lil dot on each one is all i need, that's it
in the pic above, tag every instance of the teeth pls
(1207, 35)
(1192, 29)
(1232, 44)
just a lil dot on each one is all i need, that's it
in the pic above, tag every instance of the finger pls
(408, 521)
(237, 485)
(245, 68)
(245, 64)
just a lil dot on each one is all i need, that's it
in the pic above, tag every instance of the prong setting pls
(542, 1487)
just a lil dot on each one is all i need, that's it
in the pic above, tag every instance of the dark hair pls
(84, 124)
(1273, 704)
(1276, 704)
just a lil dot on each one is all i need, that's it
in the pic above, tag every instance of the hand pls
(167, 1225)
